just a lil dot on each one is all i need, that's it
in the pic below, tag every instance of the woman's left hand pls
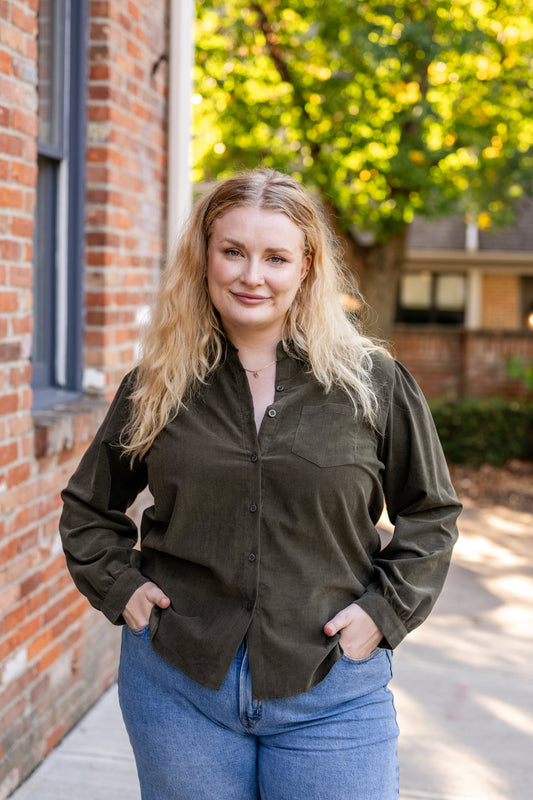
(359, 633)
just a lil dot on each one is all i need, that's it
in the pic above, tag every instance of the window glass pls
(450, 292)
(415, 291)
(50, 72)
(44, 272)
(432, 298)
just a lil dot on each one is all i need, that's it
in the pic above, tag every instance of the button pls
(249, 605)
(251, 557)
(254, 457)
(272, 412)
(253, 508)
(280, 387)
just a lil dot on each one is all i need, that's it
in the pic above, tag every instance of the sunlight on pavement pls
(515, 620)
(507, 713)
(480, 549)
(517, 585)
(505, 525)
(436, 748)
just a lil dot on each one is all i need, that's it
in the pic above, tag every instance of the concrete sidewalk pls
(463, 686)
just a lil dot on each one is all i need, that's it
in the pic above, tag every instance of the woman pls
(261, 609)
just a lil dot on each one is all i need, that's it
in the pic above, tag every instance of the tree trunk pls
(377, 268)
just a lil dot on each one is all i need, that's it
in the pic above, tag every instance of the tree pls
(387, 109)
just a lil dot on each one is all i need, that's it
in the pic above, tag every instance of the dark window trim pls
(433, 315)
(75, 19)
(77, 185)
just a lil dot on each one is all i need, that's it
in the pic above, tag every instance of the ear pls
(306, 266)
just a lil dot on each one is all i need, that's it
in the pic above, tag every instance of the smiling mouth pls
(249, 298)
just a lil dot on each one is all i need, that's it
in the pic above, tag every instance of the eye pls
(231, 252)
(277, 260)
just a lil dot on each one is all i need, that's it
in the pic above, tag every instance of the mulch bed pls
(510, 485)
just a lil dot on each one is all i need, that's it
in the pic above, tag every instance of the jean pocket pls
(140, 631)
(373, 654)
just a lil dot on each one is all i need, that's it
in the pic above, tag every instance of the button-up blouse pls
(267, 536)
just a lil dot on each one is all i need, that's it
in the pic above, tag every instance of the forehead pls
(252, 222)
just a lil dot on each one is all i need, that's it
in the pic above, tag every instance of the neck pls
(255, 350)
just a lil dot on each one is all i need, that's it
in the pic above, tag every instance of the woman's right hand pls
(139, 606)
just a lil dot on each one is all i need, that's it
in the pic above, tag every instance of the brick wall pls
(56, 654)
(450, 363)
(501, 302)
(126, 166)
(21, 535)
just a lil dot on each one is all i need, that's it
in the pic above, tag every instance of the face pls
(255, 265)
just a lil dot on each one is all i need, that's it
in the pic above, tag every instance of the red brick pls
(29, 629)
(14, 712)
(5, 62)
(22, 277)
(8, 597)
(22, 226)
(19, 375)
(11, 145)
(25, 22)
(54, 737)
(25, 541)
(39, 644)
(8, 551)
(11, 198)
(38, 600)
(22, 325)
(25, 174)
(9, 250)
(11, 37)
(24, 122)
(30, 50)
(8, 454)
(18, 475)
(9, 351)
(9, 301)
(9, 403)
(14, 618)
(9, 645)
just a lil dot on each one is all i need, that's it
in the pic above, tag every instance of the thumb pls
(156, 596)
(335, 625)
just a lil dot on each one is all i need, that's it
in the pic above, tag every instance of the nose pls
(252, 274)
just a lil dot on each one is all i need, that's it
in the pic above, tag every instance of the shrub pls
(520, 370)
(490, 431)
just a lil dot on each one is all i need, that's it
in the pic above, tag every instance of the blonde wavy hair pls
(184, 342)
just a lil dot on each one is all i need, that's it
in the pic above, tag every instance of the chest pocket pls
(330, 436)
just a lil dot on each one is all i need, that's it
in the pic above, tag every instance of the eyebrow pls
(236, 243)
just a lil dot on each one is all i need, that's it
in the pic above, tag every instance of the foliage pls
(520, 370)
(490, 431)
(388, 109)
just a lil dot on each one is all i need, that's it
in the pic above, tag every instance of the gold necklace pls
(255, 372)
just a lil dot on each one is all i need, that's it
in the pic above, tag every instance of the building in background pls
(465, 305)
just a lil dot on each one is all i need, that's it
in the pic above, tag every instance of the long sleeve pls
(421, 504)
(98, 536)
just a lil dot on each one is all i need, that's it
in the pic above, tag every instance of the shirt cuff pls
(119, 594)
(384, 616)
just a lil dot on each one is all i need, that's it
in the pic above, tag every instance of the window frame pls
(59, 378)
(432, 315)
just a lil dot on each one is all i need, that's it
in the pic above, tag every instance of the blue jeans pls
(336, 742)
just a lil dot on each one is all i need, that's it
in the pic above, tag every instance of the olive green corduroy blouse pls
(267, 536)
